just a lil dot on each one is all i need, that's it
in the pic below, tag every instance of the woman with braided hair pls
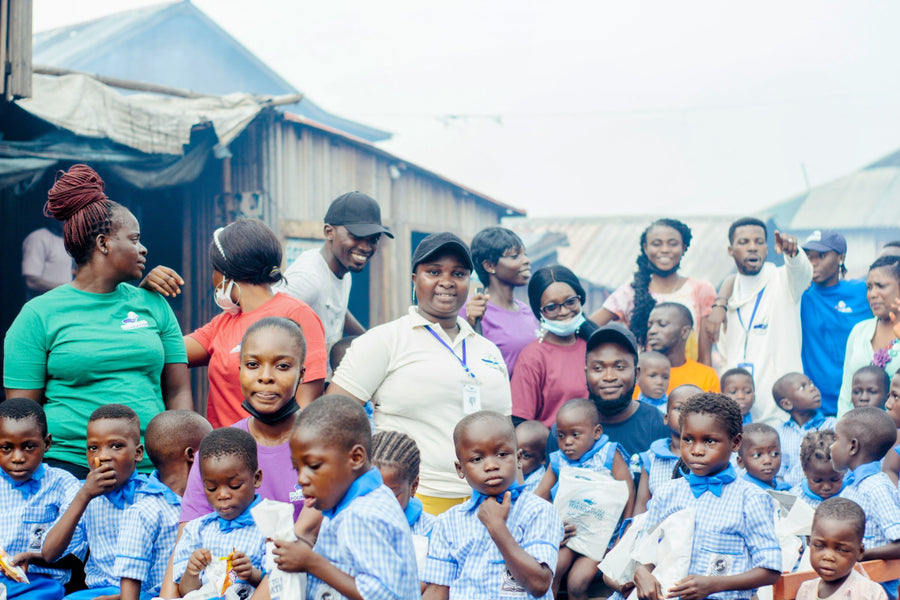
(97, 339)
(246, 262)
(663, 245)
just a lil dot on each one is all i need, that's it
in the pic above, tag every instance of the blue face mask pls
(563, 328)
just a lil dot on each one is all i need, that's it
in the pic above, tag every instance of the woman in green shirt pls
(97, 340)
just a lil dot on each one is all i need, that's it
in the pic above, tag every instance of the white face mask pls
(223, 297)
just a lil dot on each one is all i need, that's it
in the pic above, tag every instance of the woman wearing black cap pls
(426, 370)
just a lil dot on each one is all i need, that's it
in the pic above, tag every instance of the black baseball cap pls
(359, 213)
(616, 333)
(437, 242)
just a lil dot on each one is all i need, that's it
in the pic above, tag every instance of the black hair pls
(339, 349)
(734, 373)
(490, 244)
(816, 445)
(761, 429)
(118, 412)
(535, 427)
(778, 392)
(583, 404)
(504, 424)
(719, 406)
(337, 419)
(396, 450)
(684, 387)
(643, 301)
(873, 428)
(844, 510)
(878, 372)
(284, 324)
(683, 311)
(744, 222)
(19, 409)
(544, 278)
(170, 432)
(230, 441)
(247, 251)
(891, 262)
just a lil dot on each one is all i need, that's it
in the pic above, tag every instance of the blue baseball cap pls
(825, 241)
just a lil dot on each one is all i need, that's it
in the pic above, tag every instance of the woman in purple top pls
(501, 262)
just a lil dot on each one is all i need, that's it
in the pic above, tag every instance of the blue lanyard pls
(462, 360)
(749, 325)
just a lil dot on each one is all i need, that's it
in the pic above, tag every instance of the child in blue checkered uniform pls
(33, 497)
(821, 481)
(862, 438)
(734, 549)
(364, 548)
(799, 396)
(531, 437)
(501, 543)
(760, 456)
(231, 475)
(150, 525)
(738, 385)
(96, 515)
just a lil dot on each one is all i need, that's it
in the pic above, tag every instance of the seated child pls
(150, 525)
(364, 548)
(821, 480)
(531, 437)
(653, 381)
(735, 549)
(799, 396)
(502, 542)
(231, 475)
(760, 456)
(869, 387)
(835, 546)
(33, 496)
(862, 437)
(738, 385)
(659, 461)
(582, 444)
(96, 514)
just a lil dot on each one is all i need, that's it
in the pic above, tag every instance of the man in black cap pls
(321, 277)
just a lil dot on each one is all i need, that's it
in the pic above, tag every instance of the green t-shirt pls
(87, 350)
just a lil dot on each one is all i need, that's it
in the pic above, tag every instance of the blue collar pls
(804, 485)
(28, 487)
(657, 402)
(156, 487)
(361, 486)
(854, 478)
(662, 448)
(515, 490)
(413, 511)
(245, 519)
(123, 495)
(713, 483)
(747, 419)
(811, 425)
(587, 455)
(775, 484)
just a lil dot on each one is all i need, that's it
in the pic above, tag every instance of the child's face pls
(867, 389)
(654, 378)
(823, 480)
(834, 548)
(705, 444)
(574, 433)
(740, 389)
(673, 412)
(532, 448)
(114, 441)
(761, 456)
(486, 460)
(271, 369)
(324, 471)
(230, 485)
(841, 449)
(395, 479)
(892, 406)
(21, 447)
(803, 394)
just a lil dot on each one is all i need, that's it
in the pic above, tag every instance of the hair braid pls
(398, 450)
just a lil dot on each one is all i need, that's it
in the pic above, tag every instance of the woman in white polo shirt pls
(426, 370)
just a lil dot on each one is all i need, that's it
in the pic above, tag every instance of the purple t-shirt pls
(279, 481)
(510, 331)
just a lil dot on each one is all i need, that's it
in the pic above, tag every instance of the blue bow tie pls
(124, 495)
(713, 483)
(28, 487)
(861, 472)
(245, 519)
(515, 490)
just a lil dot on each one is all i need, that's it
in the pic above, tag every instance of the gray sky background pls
(591, 107)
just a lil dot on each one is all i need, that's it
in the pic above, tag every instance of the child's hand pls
(646, 585)
(292, 557)
(624, 589)
(199, 560)
(693, 587)
(99, 480)
(163, 280)
(569, 531)
(23, 559)
(785, 244)
(491, 512)
(242, 567)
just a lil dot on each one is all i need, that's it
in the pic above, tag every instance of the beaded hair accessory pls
(216, 234)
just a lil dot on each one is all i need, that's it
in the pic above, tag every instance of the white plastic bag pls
(215, 573)
(618, 564)
(593, 502)
(669, 547)
(276, 521)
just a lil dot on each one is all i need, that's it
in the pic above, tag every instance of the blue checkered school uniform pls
(776, 484)
(791, 433)
(534, 478)
(463, 556)
(659, 462)
(221, 537)
(420, 522)
(599, 458)
(368, 537)
(803, 492)
(733, 532)
(147, 536)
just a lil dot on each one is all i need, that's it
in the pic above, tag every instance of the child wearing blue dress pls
(734, 549)
(821, 480)
(796, 394)
(760, 456)
(531, 436)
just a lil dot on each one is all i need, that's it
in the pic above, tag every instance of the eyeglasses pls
(552, 309)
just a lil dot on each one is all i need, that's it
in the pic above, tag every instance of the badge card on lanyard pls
(471, 388)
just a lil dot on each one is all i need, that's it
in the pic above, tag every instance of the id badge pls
(747, 366)
(471, 398)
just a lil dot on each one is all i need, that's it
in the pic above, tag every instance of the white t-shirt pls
(44, 255)
(309, 278)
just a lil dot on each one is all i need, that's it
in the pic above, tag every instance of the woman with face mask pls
(246, 259)
(550, 370)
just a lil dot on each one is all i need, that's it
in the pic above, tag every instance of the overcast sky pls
(591, 107)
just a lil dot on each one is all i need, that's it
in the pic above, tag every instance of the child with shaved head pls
(796, 394)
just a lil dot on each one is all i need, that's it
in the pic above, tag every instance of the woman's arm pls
(36, 395)
(704, 343)
(176, 387)
(309, 391)
(334, 388)
(197, 354)
(603, 316)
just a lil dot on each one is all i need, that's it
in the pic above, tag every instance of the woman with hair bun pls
(246, 262)
(663, 245)
(97, 339)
